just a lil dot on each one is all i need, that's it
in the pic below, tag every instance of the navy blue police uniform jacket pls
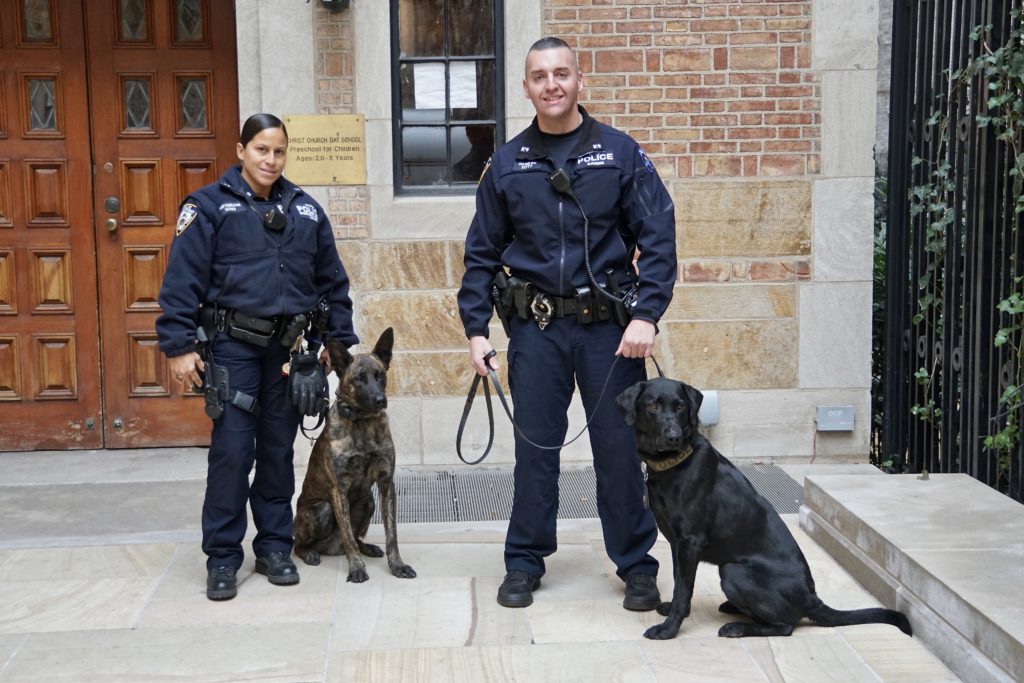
(222, 254)
(536, 233)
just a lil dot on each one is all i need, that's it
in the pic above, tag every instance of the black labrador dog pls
(353, 452)
(709, 512)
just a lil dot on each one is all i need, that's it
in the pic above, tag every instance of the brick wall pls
(709, 87)
(347, 206)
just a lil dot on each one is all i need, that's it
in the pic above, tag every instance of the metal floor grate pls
(486, 494)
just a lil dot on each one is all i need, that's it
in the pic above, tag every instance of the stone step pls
(947, 550)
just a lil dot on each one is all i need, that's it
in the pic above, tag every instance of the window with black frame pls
(447, 87)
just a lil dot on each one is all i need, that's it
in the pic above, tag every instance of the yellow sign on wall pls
(326, 150)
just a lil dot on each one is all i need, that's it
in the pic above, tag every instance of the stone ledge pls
(946, 551)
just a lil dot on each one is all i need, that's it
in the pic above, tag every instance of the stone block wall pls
(760, 116)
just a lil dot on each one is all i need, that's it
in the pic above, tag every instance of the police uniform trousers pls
(544, 366)
(239, 440)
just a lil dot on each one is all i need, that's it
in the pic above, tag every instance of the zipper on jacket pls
(561, 258)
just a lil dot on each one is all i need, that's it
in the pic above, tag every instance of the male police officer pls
(561, 236)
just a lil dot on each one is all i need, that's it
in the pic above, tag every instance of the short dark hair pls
(259, 122)
(549, 43)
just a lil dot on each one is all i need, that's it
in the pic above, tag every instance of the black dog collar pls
(662, 465)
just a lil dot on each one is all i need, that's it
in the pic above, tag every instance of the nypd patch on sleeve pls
(648, 164)
(185, 218)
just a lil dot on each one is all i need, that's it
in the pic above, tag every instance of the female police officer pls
(564, 204)
(250, 253)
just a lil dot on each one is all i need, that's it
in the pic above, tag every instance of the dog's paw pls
(734, 629)
(404, 571)
(370, 550)
(312, 558)
(664, 608)
(665, 631)
(358, 575)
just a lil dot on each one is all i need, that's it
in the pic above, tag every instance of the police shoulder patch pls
(648, 164)
(185, 218)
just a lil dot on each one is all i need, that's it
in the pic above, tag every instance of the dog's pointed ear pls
(695, 399)
(382, 349)
(627, 402)
(340, 357)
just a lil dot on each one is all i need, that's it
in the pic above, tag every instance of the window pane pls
(189, 21)
(424, 157)
(423, 92)
(422, 28)
(133, 21)
(137, 105)
(472, 146)
(472, 90)
(193, 103)
(37, 21)
(42, 104)
(470, 27)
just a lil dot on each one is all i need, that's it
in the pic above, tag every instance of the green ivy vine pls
(1002, 109)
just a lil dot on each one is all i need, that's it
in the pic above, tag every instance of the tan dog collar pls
(662, 465)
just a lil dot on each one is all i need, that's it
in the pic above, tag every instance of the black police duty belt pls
(504, 404)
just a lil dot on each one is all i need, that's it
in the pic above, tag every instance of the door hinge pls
(118, 423)
(90, 423)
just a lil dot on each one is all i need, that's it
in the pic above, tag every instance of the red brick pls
(751, 91)
(686, 60)
(758, 10)
(752, 119)
(653, 60)
(640, 40)
(638, 107)
(754, 58)
(712, 79)
(716, 38)
(613, 61)
(678, 40)
(712, 107)
(715, 120)
(788, 146)
(678, 12)
(790, 91)
(751, 147)
(684, 167)
(713, 133)
(605, 14)
(721, 58)
(788, 119)
(646, 94)
(742, 133)
(803, 269)
(782, 165)
(720, 166)
(751, 78)
(714, 93)
(713, 147)
(760, 38)
(594, 42)
(638, 26)
(715, 25)
(752, 105)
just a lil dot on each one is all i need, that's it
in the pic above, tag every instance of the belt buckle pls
(542, 309)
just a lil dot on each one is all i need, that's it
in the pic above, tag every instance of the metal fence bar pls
(967, 269)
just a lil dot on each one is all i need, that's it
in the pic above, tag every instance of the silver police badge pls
(185, 218)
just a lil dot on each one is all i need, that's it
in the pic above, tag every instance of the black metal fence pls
(953, 259)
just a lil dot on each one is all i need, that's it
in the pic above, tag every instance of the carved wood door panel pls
(49, 340)
(110, 112)
(164, 116)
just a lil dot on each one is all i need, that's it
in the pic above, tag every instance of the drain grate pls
(480, 495)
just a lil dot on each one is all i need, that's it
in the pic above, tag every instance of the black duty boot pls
(641, 593)
(517, 589)
(221, 583)
(278, 568)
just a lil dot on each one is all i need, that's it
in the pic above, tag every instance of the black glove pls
(307, 384)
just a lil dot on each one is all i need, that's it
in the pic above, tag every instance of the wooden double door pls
(110, 112)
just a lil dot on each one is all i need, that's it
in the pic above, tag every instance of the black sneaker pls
(641, 593)
(221, 583)
(517, 589)
(278, 568)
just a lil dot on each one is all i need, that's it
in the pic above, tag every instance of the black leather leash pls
(504, 404)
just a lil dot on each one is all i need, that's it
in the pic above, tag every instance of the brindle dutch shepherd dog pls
(353, 452)
(710, 512)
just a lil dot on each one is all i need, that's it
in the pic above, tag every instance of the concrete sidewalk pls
(102, 579)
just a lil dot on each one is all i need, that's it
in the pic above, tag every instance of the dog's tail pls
(823, 615)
